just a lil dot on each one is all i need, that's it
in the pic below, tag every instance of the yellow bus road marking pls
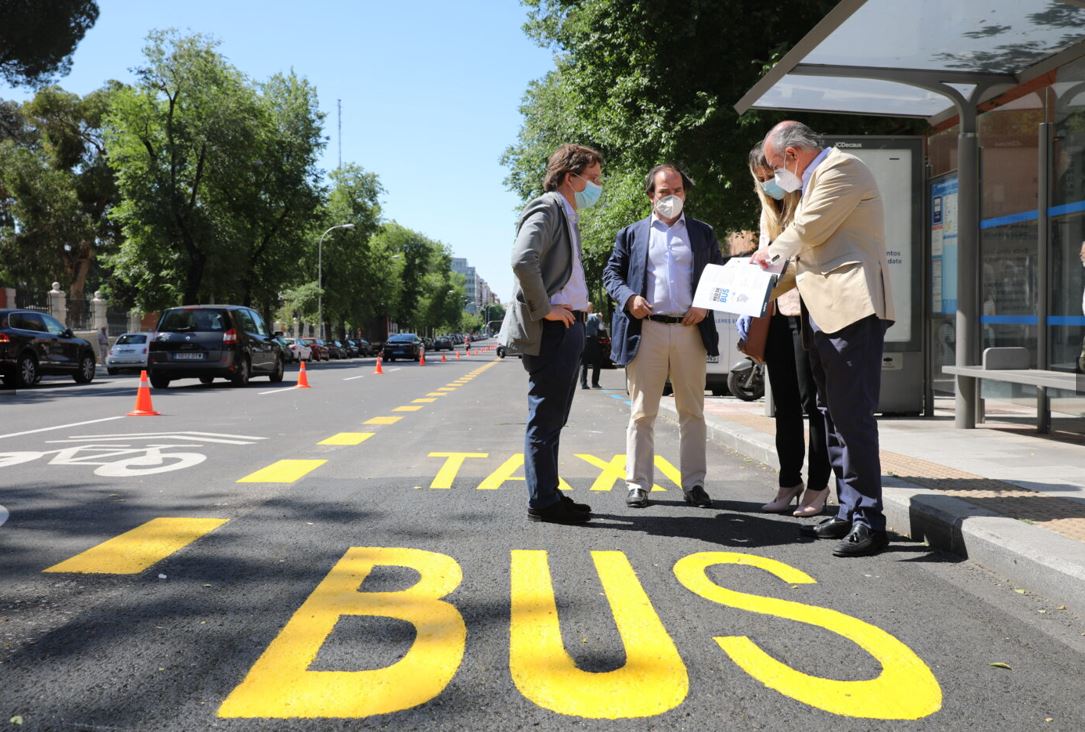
(407, 409)
(347, 438)
(383, 420)
(283, 471)
(423, 400)
(136, 550)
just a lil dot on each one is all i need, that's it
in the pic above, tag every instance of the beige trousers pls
(676, 351)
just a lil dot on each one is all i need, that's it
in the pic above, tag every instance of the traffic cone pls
(379, 371)
(457, 355)
(303, 378)
(143, 399)
(421, 358)
(443, 359)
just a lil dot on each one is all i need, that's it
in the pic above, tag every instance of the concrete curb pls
(1028, 556)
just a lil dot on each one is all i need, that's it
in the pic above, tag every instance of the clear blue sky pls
(431, 93)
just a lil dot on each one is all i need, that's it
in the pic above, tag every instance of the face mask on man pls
(669, 207)
(772, 189)
(589, 196)
(786, 179)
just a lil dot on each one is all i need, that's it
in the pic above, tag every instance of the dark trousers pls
(551, 385)
(590, 358)
(847, 368)
(795, 393)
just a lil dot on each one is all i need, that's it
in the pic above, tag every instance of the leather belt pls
(670, 319)
(580, 315)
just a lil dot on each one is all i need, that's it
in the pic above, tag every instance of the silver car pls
(129, 353)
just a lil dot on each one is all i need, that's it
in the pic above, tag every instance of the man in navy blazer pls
(658, 335)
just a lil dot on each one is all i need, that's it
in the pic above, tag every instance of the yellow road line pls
(421, 400)
(136, 550)
(436, 394)
(283, 471)
(407, 409)
(445, 388)
(383, 420)
(347, 438)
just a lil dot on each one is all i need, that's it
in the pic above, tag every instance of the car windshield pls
(401, 339)
(183, 321)
(131, 338)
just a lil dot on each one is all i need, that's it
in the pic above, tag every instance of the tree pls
(37, 38)
(56, 191)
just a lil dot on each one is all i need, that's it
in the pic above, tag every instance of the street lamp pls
(320, 274)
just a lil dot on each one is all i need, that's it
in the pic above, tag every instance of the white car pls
(129, 353)
(301, 351)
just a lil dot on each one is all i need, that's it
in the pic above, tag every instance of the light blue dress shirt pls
(575, 292)
(670, 267)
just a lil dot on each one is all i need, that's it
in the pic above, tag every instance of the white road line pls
(280, 390)
(61, 426)
(352, 378)
(389, 371)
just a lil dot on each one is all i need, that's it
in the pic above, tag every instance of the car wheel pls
(500, 351)
(277, 374)
(26, 371)
(207, 380)
(87, 367)
(243, 373)
(160, 382)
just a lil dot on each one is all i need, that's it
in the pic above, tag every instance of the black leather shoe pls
(696, 496)
(596, 386)
(830, 528)
(861, 542)
(559, 513)
(574, 506)
(637, 498)
(583, 386)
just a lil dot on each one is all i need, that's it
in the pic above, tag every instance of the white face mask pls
(787, 180)
(669, 207)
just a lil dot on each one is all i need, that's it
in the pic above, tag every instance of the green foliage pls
(37, 38)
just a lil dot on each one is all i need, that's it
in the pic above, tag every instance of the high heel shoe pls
(784, 497)
(813, 503)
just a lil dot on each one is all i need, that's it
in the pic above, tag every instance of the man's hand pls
(638, 307)
(694, 316)
(761, 258)
(562, 313)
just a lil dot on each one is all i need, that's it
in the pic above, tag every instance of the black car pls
(364, 348)
(213, 341)
(402, 345)
(335, 349)
(351, 347)
(33, 344)
(442, 343)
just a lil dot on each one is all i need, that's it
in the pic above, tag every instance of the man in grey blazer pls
(837, 239)
(545, 320)
(658, 334)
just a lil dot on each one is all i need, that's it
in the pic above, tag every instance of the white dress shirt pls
(670, 267)
(575, 292)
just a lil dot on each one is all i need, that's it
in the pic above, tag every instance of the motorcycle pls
(746, 380)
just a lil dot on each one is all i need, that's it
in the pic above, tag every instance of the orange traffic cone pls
(143, 399)
(421, 358)
(457, 355)
(378, 370)
(443, 359)
(303, 378)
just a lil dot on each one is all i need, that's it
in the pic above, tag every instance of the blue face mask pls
(773, 189)
(589, 196)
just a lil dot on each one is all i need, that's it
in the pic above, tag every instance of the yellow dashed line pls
(283, 471)
(136, 550)
(347, 438)
(383, 420)
(436, 394)
(422, 400)
(406, 409)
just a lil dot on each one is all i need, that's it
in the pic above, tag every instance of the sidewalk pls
(1001, 495)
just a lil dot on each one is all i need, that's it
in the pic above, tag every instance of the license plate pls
(188, 357)
(712, 359)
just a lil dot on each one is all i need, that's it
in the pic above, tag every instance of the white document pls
(736, 287)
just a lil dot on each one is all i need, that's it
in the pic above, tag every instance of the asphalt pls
(1001, 495)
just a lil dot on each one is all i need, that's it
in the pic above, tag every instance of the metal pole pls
(1043, 305)
(320, 282)
(967, 263)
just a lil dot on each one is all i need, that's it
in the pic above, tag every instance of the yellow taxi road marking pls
(407, 408)
(610, 471)
(504, 474)
(453, 463)
(283, 471)
(652, 680)
(615, 470)
(280, 684)
(347, 438)
(382, 420)
(423, 400)
(136, 550)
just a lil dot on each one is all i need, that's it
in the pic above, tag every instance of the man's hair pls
(569, 158)
(650, 179)
(792, 134)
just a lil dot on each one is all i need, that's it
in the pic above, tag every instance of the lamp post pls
(320, 274)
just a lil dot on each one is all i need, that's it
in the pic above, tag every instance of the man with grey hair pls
(837, 238)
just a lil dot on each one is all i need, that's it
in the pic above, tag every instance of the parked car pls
(364, 347)
(213, 341)
(129, 353)
(317, 348)
(402, 345)
(298, 348)
(335, 349)
(442, 343)
(33, 344)
(351, 347)
(284, 347)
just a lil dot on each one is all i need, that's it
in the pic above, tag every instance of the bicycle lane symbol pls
(115, 456)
